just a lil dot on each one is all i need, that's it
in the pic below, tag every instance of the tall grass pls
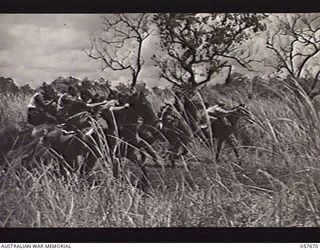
(13, 109)
(275, 185)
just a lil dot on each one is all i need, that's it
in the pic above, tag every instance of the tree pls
(8, 86)
(195, 47)
(61, 83)
(295, 44)
(26, 89)
(119, 47)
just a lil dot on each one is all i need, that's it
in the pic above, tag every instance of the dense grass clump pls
(13, 109)
(276, 183)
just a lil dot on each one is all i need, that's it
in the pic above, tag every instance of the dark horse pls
(190, 109)
(35, 143)
(12, 139)
(181, 122)
(176, 130)
(136, 127)
(223, 130)
(68, 148)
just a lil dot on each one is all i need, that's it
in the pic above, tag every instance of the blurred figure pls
(215, 113)
(42, 106)
(77, 112)
(109, 111)
(73, 111)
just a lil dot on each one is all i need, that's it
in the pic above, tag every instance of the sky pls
(41, 47)
(37, 48)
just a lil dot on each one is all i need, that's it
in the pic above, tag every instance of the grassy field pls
(276, 184)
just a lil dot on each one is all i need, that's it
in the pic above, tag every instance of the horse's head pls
(124, 98)
(242, 111)
(139, 106)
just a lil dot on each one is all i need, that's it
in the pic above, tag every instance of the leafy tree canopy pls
(195, 47)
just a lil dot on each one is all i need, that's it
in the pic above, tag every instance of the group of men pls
(70, 110)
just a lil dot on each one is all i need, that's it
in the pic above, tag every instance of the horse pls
(11, 139)
(36, 141)
(136, 135)
(136, 127)
(65, 147)
(190, 109)
(222, 130)
(176, 131)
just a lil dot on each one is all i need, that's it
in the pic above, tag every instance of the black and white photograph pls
(170, 120)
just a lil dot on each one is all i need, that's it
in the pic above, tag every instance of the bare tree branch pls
(301, 48)
(119, 47)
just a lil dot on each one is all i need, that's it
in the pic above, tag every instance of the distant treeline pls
(238, 85)
(8, 86)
